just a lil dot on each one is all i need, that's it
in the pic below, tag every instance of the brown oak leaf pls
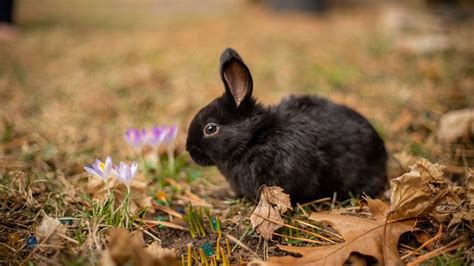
(375, 237)
(266, 217)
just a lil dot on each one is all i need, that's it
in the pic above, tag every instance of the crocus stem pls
(127, 207)
(158, 159)
(107, 186)
(170, 152)
(145, 167)
(159, 168)
(125, 204)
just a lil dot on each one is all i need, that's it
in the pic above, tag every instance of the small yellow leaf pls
(161, 195)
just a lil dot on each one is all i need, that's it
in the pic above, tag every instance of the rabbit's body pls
(306, 145)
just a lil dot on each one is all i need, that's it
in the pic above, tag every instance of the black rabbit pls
(306, 145)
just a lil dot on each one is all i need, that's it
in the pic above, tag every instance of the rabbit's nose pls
(194, 150)
(199, 157)
(191, 148)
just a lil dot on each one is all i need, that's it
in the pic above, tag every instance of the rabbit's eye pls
(211, 129)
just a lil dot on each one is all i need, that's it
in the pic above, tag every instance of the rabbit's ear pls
(236, 77)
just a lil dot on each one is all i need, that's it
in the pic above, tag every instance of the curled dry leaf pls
(458, 217)
(50, 232)
(467, 214)
(139, 192)
(455, 125)
(128, 249)
(266, 217)
(424, 191)
(375, 237)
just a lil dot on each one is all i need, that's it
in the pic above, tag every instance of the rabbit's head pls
(223, 127)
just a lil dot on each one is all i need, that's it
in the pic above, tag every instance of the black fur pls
(307, 145)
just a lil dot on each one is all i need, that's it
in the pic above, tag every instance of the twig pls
(167, 210)
(436, 237)
(455, 169)
(319, 228)
(147, 232)
(317, 201)
(163, 223)
(449, 247)
(68, 238)
(152, 236)
(7, 246)
(241, 239)
(333, 202)
(296, 228)
(238, 242)
(407, 247)
(302, 209)
(193, 200)
(300, 238)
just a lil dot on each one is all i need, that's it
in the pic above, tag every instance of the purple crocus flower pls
(125, 173)
(100, 169)
(136, 138)
(162, 135)
(156, 136)
(170, 135)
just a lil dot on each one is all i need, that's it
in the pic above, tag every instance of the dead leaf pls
(458, 217)
(424, 191)
(50, 232)
(467, 214)
(49, 228)
(367, 237)
(455, 125)
(139, 191)
(158, 253)
(127, 248)
(273, 203)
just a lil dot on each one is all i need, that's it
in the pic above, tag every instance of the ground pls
(79, 73)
